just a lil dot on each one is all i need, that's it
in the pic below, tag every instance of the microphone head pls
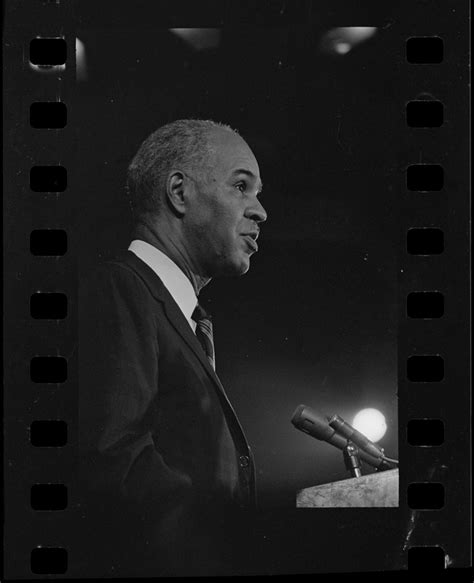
(307, 420)
(343, 428)
(296, 417)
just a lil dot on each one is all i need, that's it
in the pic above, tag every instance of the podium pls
(378, 490)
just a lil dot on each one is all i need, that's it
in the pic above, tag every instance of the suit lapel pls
(181, 325)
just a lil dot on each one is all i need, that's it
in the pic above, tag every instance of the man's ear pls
(175, 192)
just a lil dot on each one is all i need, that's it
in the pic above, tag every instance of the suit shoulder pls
(115, 273)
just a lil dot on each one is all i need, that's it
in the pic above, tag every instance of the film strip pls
(424, 241)
(430, 359)
(42, 505)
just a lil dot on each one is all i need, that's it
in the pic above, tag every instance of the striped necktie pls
(204, 333)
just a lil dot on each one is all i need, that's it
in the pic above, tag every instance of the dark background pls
(316, 319)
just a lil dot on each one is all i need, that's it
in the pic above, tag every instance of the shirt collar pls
(175, 281)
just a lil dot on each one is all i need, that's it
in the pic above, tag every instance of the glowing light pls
(371, 423)
(81, 63)
(199, 38)
(342, 48)
(343, 39)
(356, 33)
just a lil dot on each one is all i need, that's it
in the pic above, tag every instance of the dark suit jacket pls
(167, 476)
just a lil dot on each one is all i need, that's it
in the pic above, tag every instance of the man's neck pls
(162, 239)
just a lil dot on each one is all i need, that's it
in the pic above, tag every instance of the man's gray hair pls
(184, 143)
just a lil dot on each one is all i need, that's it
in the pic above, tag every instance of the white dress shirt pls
(175, 281)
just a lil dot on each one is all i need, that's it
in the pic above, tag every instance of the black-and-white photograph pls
(234, 236)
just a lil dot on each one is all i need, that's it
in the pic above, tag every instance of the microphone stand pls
(352, 459)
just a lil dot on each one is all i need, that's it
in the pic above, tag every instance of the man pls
(166, 469)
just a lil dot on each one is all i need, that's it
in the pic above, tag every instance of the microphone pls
(345, 429)
(316, 425)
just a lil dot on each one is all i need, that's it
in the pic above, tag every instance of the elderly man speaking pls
(166, 470)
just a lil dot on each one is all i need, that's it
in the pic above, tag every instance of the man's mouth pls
(251, 239)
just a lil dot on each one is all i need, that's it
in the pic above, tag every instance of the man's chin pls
(243, 265)
(235, 268)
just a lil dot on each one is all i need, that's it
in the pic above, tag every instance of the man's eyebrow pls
(247, 173)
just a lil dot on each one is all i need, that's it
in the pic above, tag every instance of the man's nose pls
(256, 212)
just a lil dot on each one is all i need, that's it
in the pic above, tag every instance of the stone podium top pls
(378, 490)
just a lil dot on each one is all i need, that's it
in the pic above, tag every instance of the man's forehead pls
(233, 152)
(224, 140)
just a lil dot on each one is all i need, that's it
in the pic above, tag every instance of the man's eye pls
(240, 186)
